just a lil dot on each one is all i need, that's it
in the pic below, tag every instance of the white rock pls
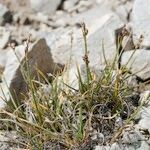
(144, 146)
(4, 37)
(141, 21)
(102, 30)
(59, 41)
(69, 4)
(83, 6)
(102, 147)
(99, 1)
(3, 10)
(139, 62)
(3, 58)
(121, 8)
(70, 78)
(131, 138)
(144, 123)
(6, 138)
(105, 34)
(45, 6)
(116, 146)
(4, 95)
(96, 13)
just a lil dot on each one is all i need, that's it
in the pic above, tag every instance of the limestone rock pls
(60, 42)
(102, 30)
(144, 123)
(97, 14)
(102, 147)
(7, 138)
(116, 146)
(5, 15)
(4, 37)
(3, 58)
(104, 34)
(141, 21)
(69, 4)
(131, 138)
(45, 6)
(121, 8)
(139, 62)
(144, 146)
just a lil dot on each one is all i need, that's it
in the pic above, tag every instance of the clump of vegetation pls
(68, 119)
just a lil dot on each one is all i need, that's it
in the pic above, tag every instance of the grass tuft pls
(56, 118)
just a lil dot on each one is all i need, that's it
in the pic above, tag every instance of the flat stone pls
(106, 35)
(121, 8)
(45, 6)
(3, 58)
(141, 20)
(59, 41)
(102, 147)
(96, 13)
(144, 123)
(69, 4)
(116, 146)
(4, 37)
(131, 138)
(144, 146)
(139, 62)
(103, 30)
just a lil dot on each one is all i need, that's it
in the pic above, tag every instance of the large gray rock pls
(144, 146)
(139, 63)
(144, 123)
(78, 5)
(4, 37)
(141, 21)
(3, 58)
(105, 34)
(102, 30)
(59, 41)
(96, 13)
(121, 8)
(69, 4)
(103, 7)
(39, 58)
(45, 6)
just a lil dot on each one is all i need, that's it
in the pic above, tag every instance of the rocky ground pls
(53, 27)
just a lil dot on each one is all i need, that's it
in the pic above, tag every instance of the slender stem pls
(86, 58)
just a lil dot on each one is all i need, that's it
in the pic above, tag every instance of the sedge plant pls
(65, 119)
